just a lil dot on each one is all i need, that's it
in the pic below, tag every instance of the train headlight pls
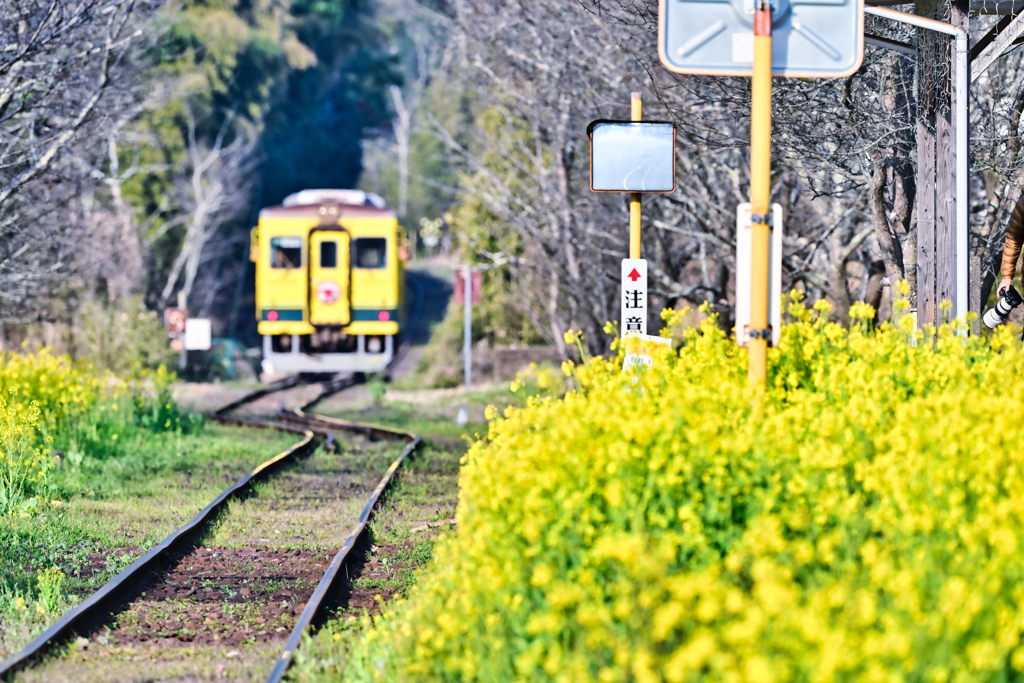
(374, 345)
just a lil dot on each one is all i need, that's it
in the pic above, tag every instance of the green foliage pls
(23, 616)
(476, 230)
(50, 583)
(105, 509)
(440, 365)
(121, 336)
(431, 170)
(308, 78)
(377, 389)
(314, 129)
(51, 402)
(495, 319)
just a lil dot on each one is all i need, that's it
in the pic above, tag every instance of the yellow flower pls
(859, 520)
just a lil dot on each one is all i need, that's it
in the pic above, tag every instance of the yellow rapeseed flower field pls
(48, 401)
(861, 520)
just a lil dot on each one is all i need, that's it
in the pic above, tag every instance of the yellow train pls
(330, 285)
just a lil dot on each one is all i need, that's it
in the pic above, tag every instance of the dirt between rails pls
(225, 596)
(223, 609)
(376, 565)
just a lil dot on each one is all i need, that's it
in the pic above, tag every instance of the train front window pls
(328, 254)
(285, 252)
(370, 252)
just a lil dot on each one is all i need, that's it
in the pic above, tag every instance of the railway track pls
(169, 571)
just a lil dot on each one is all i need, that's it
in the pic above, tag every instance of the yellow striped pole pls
(760, 189)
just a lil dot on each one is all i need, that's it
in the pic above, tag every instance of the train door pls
(329, 277)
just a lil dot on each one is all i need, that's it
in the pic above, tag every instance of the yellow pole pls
(760, 188)
(634, 197)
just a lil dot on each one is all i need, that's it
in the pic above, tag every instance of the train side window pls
(370, 252)
(328, 254)
(285, 252)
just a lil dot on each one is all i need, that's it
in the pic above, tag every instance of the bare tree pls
(65, 70)
(844, 149)
(217, 189)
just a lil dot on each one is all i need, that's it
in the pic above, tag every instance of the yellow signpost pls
(634, 198)
(634, 157)
(760, 191)
(817, 40)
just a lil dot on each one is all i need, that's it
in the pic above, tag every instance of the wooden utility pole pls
(936, 172)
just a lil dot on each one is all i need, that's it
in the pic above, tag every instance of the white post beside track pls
(467, 325)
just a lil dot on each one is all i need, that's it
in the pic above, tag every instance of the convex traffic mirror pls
(628, 156)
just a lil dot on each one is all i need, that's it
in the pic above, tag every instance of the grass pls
(313, 504)
(109, 511)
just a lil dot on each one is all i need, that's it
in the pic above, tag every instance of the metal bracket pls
(762, 219)
(765, 334)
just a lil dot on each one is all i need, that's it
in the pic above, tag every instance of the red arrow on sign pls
(634, 276)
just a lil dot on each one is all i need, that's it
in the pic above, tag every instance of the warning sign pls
(475, 284)
(174, 320)
(634, 296)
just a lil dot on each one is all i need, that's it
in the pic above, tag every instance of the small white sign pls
(634, 296)
(743, 258)
(640, 350)
(197, 334)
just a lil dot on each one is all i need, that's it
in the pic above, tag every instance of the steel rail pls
(318, 602)
(115, 592)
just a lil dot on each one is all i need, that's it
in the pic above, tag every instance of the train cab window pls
(285, 252)
(370, 252)
(328, 254)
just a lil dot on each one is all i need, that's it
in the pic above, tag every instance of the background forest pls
(142, 137)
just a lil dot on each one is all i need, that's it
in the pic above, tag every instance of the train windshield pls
(370, 252)
(328, 254)
(285, 252)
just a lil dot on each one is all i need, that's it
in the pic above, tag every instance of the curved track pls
(312, 430)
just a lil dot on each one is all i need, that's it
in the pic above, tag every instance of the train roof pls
(351, 204)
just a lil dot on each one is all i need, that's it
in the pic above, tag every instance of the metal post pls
(634, 197)
(467, 326)
(760, 192)
(183, 357)
(961, 55)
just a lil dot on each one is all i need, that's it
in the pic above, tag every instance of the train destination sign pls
(628, 156)
(810, 38)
